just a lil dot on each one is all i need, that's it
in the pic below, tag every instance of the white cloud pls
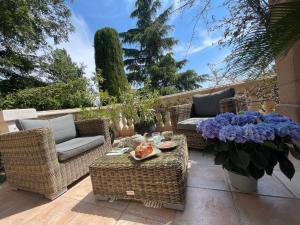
(80, 46)
(188, 49)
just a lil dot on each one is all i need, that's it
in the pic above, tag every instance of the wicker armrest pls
(234, 105)
(30, 160)
(179, 113)
(92, 127)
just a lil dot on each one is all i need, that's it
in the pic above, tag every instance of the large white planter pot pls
(242, 183)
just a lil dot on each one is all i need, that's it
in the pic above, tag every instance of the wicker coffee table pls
(158, 182)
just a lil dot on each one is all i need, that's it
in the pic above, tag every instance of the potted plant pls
(139, 107)
(107, 108)
(250, 145)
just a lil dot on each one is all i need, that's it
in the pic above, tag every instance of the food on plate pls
(143, 150)
(167, 145)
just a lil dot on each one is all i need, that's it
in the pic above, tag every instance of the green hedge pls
(55, 96)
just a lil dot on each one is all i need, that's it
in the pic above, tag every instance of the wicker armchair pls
(31, 162)
(183, 112)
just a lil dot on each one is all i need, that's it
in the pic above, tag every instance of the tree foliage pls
(149, 63)
(257, 31)
(61, 68)
(264, 31)
(54, 96)
(109, 60)
(26, 27)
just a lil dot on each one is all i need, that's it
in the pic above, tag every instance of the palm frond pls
(257, 49)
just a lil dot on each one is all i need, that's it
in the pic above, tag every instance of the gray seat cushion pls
(208, 105)
(190, 124)
(76, 146)
(63, 127)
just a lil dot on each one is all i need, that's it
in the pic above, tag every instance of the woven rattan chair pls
(183, 112)
(31, 162)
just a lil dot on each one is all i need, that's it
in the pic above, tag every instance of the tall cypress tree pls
(109, 59)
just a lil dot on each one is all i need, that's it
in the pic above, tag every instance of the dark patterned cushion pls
(207, 105)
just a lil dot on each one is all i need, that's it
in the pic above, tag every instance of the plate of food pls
(167, 145)
(144, 151)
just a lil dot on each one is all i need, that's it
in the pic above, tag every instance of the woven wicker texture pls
(234, 105)
(31, 162)
(161, 179)
(182, 112)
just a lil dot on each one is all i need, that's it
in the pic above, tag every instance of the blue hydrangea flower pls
(275, 118)
(228, 116)
(288, 129)
(243, 119)
(246, 127)
(294, 132)
(209, 128)
(227, 133)
(252, 133)
(253, 113)
(266, 131)
(232, 133)
(282, 129)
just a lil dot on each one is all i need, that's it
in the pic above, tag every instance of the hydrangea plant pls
(251, 144)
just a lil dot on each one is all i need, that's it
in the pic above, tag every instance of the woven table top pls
(170, 158)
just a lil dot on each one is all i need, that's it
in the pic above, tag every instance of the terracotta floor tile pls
(16, 206)
(207, 177)
(4, 187)
(268, 185)
(56, 212)
(89, 214)
(84, 192)
(162, 215)
(293, 185)
(265, 210)
(207, 207)
(129, 219)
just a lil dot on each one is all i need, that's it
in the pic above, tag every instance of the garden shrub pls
(55, 96)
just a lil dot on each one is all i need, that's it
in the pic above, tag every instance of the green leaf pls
(259, 158)
(296, 147)
(286, 167)
(271, 145)
(240, 158)
(295, 152)
(222, 147)
(256, 172)
(221, 158)
(269, 170)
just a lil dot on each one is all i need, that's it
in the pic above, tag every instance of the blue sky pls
(91, 15)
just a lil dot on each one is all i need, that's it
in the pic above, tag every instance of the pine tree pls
(109, 60)
(152, 63)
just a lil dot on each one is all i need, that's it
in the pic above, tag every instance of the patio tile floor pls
(211, 200)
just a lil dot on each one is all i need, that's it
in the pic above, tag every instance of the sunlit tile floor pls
(210, 201)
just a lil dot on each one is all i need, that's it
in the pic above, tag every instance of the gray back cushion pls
(27, 124)
(63, 127)
(208, 105)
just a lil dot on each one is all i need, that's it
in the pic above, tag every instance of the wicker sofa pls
(32, 162)
(184, 122)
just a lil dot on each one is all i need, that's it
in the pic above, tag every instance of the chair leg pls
(56, 195)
